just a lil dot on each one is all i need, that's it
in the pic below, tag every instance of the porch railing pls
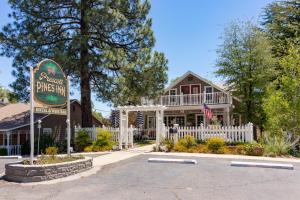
(13, 150)
(191, 99)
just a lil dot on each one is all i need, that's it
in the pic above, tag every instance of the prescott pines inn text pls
(47, 84)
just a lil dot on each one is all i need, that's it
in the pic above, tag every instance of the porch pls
(12, 141)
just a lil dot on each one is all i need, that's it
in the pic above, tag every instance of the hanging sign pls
(50, 84)
(50, 111)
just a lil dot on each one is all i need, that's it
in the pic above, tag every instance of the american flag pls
(207, 112)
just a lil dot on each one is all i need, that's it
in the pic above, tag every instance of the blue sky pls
(187, 31)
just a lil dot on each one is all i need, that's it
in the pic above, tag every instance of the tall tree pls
(245, 61)
(281, 21)
(282, 104)
(97, 42)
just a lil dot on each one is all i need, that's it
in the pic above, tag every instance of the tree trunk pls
(85, 88)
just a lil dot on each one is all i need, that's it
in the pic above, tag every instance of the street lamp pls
(39, 127)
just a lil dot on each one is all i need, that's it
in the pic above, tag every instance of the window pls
(185, 89)
(195, 89)
(47, 130)
(208, 94)
(171, 120)
(200, 120)
(173, 92)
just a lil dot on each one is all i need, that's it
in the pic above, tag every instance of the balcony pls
(191, 99)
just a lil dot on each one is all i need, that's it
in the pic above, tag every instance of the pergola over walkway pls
(124, 110)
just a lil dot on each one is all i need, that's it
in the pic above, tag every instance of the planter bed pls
(18, 172)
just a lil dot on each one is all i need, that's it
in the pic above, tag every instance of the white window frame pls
(173, 90)
(47, 131)
(196, 121)
(212, 91)
(199, 88)
(186, 85)
(176, 116)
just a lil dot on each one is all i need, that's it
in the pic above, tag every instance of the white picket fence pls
(115, 132)
(228, 133)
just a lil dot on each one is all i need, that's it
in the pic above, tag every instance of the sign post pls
(50, 88)
(31, 116)
(68, 117)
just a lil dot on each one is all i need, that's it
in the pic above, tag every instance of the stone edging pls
(18, 172)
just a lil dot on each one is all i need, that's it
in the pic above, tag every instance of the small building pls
(15, 125)
(184, 99)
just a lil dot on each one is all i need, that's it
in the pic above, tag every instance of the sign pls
(50, 111)
(50, 84)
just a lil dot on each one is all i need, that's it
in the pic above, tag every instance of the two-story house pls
(184, 99)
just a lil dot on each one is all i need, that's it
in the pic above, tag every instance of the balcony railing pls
(191, 99)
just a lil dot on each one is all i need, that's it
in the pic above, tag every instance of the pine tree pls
(97, 42)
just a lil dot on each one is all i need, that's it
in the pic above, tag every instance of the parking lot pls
(135, 178)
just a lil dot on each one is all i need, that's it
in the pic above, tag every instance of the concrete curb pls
(172, 160)
(262, 165)
(225, 156)
(10, 157)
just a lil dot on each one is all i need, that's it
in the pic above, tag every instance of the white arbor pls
(124, 110)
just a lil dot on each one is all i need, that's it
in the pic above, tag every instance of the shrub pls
(215, 144)
(88, 148)
(51, 151)
(3, 152)
(61, 146)
(240, 149)
(254, 149)
(103, 141)
(82, 140)
(168, 144)
(277, 146)
(186, 143)
(200, 148)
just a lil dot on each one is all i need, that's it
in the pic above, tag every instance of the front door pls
(199, 120)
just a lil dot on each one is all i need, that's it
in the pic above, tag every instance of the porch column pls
(7, 145)
(18, 138)
(126, 130)
(120, 129)
(227, 116)
(157, 128)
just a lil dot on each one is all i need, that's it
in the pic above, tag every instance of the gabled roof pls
(14, 116)
(197, 76)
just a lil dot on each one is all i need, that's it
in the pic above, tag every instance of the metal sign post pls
(31, 116)
(68, 117)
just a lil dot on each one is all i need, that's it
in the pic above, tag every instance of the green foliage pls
(254, 149)
(282, 104)
(276, 146)
(103, 142)
(82, 140)
(169, 144)
(282, 24)
(105, 46)
(215, 144)
(185, 143)
(3, 152)
(88, 148)
(51, 151)
(245, 62)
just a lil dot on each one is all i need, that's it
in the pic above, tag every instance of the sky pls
(187, 31)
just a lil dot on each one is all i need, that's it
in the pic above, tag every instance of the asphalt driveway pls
(135, 178)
